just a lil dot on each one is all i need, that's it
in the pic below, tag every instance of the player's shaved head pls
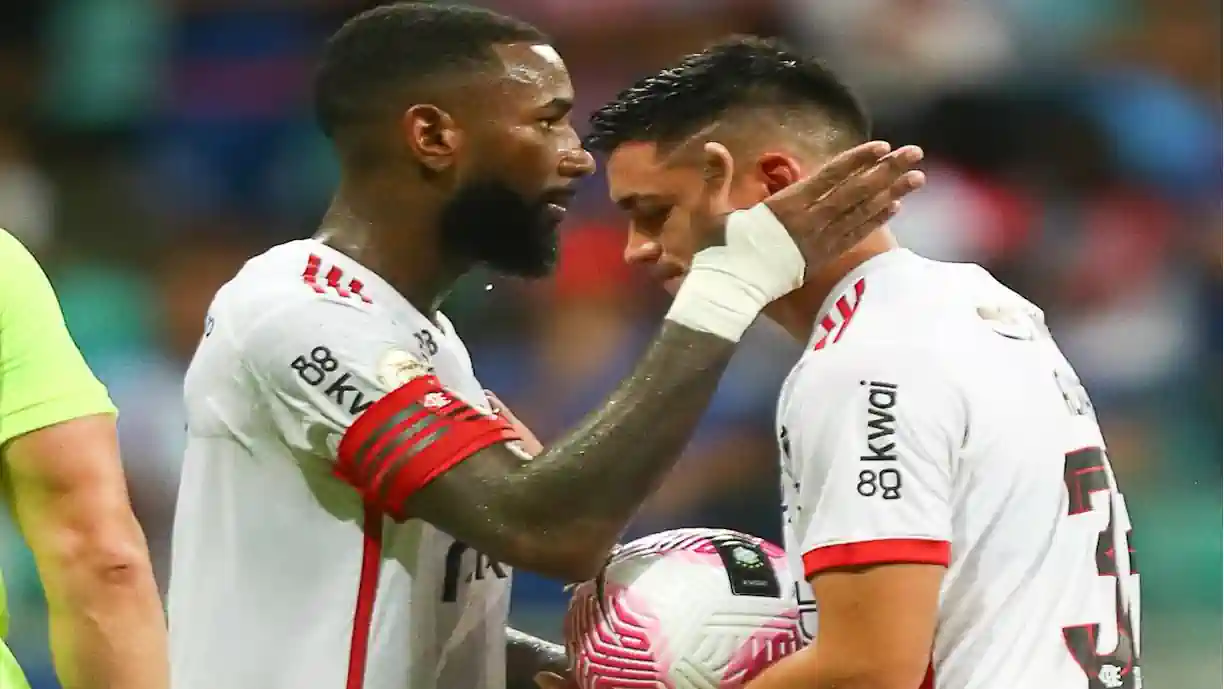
(743, 88)
(383, 59)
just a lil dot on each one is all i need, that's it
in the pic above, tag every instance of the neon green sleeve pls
(43, 378)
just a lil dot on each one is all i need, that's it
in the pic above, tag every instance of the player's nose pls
(576, 163)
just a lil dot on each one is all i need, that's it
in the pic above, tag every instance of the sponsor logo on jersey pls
(879, 475)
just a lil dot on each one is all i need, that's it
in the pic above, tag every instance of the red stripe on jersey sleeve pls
(888, 550)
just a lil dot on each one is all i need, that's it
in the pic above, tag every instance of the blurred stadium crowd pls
(147, 147)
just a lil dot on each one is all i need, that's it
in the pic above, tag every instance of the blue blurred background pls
(147, 147)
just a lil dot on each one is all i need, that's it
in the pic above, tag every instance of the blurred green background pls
(147, 147)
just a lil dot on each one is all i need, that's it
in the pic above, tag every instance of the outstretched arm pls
(560, 513)
(421, 451)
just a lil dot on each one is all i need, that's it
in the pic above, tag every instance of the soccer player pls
(946, 487)
(62, 479)
(351, 503)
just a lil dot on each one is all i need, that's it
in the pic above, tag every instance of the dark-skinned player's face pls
(517, 167)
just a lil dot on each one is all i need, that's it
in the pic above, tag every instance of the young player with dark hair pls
(946, 488)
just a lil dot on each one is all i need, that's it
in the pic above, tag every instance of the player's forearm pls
(793, 672)
(527, 655)
(591, 482)
(108, 629)
(561, 512)
(809, 669)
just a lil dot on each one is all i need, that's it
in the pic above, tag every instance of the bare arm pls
(527, 655)
(876, 631)
(108, 630)
(561, 513)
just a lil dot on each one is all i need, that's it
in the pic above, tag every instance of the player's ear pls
(432, 136)
(777, 171)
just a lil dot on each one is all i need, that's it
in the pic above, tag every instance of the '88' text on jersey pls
(319, 366)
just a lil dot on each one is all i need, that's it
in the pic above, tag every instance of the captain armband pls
(410, 437)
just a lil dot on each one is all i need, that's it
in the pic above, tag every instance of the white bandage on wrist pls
(727, 286)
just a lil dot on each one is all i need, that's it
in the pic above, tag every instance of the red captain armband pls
(410, 437)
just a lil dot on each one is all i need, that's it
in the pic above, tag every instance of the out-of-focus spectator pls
(27, 199)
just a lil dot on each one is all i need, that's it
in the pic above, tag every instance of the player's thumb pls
(719, 169)
(549, 680)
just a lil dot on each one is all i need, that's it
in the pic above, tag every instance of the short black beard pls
(488, 223)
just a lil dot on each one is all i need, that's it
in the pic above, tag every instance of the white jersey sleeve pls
(870, 438)
(320, 364)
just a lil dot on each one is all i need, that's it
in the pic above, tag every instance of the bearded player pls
(946, 487)
(62, 479)
(351, 504)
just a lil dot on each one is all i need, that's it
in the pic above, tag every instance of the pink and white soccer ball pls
(684, 609)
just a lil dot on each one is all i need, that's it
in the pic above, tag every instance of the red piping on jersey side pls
(928, 682)
(887, 550)
(367, 591)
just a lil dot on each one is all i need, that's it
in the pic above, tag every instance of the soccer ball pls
(684, 609)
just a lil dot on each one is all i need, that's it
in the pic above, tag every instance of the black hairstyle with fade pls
(742, 73)
(385, 51)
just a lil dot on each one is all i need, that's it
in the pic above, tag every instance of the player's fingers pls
(864, 212)
(865, 187)
(718, 171)
(838, 170)
(862, 220)
(495, 403)
(835, 242)
(873, 223)
(875, 179)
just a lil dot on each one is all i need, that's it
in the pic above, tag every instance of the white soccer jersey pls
(933, 420)
(281, 578)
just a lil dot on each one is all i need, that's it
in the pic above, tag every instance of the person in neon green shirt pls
(62, 479)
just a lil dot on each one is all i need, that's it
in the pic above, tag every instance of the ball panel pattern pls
(663, 614)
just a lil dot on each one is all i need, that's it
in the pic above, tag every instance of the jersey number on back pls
(1086, 472)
